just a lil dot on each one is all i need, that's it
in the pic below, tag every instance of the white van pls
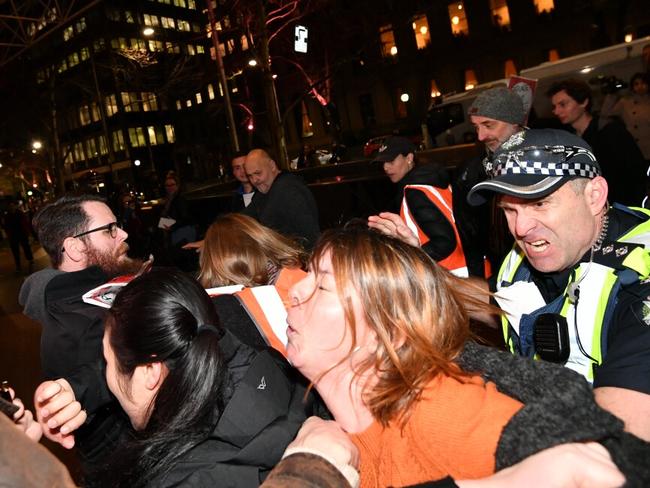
(604, 69)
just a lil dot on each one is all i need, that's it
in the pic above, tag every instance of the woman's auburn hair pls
(238, 250)
(418, 311)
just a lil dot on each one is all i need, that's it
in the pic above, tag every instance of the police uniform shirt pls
(626, 363)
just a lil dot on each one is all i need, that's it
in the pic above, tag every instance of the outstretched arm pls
(57, 411)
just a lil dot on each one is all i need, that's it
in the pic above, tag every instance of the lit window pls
(68, 32)
(91, 148)
(99, 44)
(191, 4)
(152, 135)
(470, 79)
(115, 44)
(94, 110)
(85, 53)
(149, 101)
(123, 43)
(167, 22)
(179, 105)
(171, 136)
(544, 6)
(387, 39)
(73, 60)
(183, 25)
(191, 50)
(435, 92)
(510, 69)
(79, 152)
(307, 126)
(230, 45)
(188, 103)
(130, 102)
(111, 105)
(196, 27)
(179, 3)
(103, 147)
(136, 137)
(81, 25)
(128, 16)
(500, 13)
(458, 19)
(210, 92)
(200, 49)
(222, 49)
(199, 98)
(244, 43)
(151, 20)
(421, 30)
(553, 55)
(84, 115)
(155, 45)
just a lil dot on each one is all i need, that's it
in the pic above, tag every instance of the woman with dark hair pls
(207, 410)
(383, 334)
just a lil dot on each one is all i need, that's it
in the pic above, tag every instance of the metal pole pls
(234, 140)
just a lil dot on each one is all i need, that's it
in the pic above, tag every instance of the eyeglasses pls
(111, 228)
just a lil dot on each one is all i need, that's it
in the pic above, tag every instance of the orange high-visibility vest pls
(267, 307)
(441, 198)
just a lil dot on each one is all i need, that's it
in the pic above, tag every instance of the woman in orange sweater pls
(380, 331)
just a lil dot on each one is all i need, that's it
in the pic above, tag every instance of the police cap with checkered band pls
(534, 163)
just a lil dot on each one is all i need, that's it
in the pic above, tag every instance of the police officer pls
(575, 285)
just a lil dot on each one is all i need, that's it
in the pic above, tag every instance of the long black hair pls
(166, 315)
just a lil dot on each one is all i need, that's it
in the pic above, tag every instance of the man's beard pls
(113, 264)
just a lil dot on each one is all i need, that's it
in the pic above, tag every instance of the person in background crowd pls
(575, 285)
(282, 201)
(244, 193)
(208, 410)
(496, 114)
(634, 110)
(178, 226)
(382, 332)
(17, 228)
(238, 250)
(130, 221)
(425, 203)
(620, 159)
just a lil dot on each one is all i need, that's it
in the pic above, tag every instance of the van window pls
(444, 117)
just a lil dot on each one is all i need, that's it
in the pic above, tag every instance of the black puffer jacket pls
(263, 413)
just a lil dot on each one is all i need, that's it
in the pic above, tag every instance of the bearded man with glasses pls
(86, 248)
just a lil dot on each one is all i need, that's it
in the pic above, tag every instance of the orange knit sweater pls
(453, 430)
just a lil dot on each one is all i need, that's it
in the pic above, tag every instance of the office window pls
(99, 44)
(435, 92)
(171, 136)
(79, 152)
(68, 33)
(183, 25)
(110, 103)
(151, 131)
(191, 4)
(167, 22)
(458, 19)
(91, 148)
(103, 147)
(421, 30)
(94, 112)
(500, 13)
(191, 50)
(128, 17)
(73, 60)
(84, 53)
(510, 69)
(136, 137)
(210, 91)
(156, 46)
(179, 105)
(230, 45)
(553, 55)
(200, 49)
(188, 103)
(179, 3)
(62, 67)
(80, 26)
(151, 20)
(244, 43)
(69, 158)
(544, 6)
(196, 27)
(140, 44)
(149, 101)
(124, 44)
(387, 39)
(199, 98)
(118, 141)
(470, 79)
(84, 115)
(130, 102)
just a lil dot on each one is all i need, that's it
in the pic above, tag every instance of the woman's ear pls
(154, 374)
